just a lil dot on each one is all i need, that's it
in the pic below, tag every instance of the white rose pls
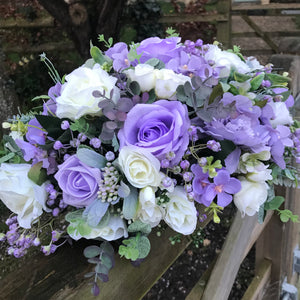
(260, 175)
(114, 230)
(149, 212)
(181, 214)
(144, 75)
(21, 195)
(167, 82)
(253, 63)
(164, 81)
(140, 167)
(251, 196)
(77, 100)
(227, 60)
(281, 114)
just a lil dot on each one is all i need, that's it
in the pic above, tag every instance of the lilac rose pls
(78, 182)
(160, 127)
(163, 49)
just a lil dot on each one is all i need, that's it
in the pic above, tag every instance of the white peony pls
(251, 196)
(281, 114)
(140, 166)
(226, 60)
(181, 214)
(164, 81)
(149, 212)
(77, 100)
(21, 195)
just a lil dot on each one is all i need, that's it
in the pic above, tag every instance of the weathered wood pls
(251, 34)
(224, 27)
(53, 46)
(194, 18)
(11, 23)
(271, 6)
(270, 246)
(260, 33)
(229, 260)
(259, 282)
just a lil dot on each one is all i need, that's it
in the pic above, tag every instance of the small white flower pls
(281, 114)
(140, 166)
(251, 196)
(226, 60)
(149, 212)
(77, 100)
(181, 214)
(21, 195)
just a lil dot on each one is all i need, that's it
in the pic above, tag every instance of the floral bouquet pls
(145, 135)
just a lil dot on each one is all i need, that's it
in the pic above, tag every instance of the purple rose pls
(163, 49)
(78, 182)
(160, 127)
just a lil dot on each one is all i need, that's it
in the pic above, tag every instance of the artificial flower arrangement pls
(144, 135)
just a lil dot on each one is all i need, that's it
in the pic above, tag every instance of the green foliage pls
(241, 77)
(130, 204)
(91, 158)
(275, 203)
(156, 63)
(51, 69)
(211, 167)
(278, 80)
(37, 173)
(51, 125)
(133, 55)
(256, 82)
(80, 125)
(107, 43)
(134, 248)
(171, 32)
(286, 215)
(103, 258)
(115, 143)
(139, 226)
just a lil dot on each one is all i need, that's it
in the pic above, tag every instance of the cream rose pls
(149, 212)
(21, 195)
(251, 196)
(77, 100)
(181, 214)
(140, 167)
(164, 81)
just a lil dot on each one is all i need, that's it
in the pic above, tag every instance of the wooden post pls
(224, 27)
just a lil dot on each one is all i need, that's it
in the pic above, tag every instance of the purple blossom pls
(163, 49)
(35, 133)
(119, 54)
(200, 183)
(160, 127)
(223, 187)
(213, 145)
(50, 106)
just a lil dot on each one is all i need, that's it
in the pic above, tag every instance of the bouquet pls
(143, 135)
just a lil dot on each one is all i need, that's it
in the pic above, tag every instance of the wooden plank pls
(45, 21)
(271, 6)
(270, 246)
(194, 18)
(260, 33)
(224, 27)
(272, 33)
(51, 46)
(259, 282)
(229, 260)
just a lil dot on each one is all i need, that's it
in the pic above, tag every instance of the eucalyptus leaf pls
(74, 216)
(91, 158)
(143, 246)
(261, 214)
(95, 211)
(123, 190)
(275, 203)
(91, 251)
(130, 204)
(139, 226)
(107, 248)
